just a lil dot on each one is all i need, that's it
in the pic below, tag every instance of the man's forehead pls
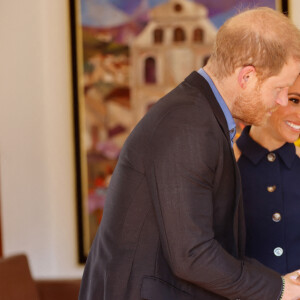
(288, 74)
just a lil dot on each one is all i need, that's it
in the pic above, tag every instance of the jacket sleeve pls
(185, 152)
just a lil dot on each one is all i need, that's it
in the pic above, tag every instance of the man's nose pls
(282, 98)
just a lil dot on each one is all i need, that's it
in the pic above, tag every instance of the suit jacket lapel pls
(196, 80)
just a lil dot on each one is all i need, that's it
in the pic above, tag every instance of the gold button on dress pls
(276, 217)
(271, 157)
(271, 188)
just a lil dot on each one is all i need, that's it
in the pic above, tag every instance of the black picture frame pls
(77, 128)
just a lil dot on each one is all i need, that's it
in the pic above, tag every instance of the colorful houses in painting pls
(177, 40)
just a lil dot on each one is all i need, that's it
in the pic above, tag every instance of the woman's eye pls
(294, 100)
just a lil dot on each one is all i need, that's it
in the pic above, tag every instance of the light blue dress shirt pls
(229, 119)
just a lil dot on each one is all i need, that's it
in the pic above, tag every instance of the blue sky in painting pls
(92, 11)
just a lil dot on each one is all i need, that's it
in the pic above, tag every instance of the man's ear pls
(246, 75)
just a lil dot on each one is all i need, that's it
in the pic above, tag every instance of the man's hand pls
(292, 286)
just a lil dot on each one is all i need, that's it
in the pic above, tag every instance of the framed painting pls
(125, 56)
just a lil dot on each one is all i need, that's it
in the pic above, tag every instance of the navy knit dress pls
(271, 191)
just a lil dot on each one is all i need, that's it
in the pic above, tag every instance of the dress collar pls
(255, 152)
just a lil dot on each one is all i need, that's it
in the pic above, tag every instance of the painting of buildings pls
(177, 39)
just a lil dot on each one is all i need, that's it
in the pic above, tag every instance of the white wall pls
(294, 11)
(36, 138)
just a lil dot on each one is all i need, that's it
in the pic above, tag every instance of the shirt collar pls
(255, 152)
(229, 119)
